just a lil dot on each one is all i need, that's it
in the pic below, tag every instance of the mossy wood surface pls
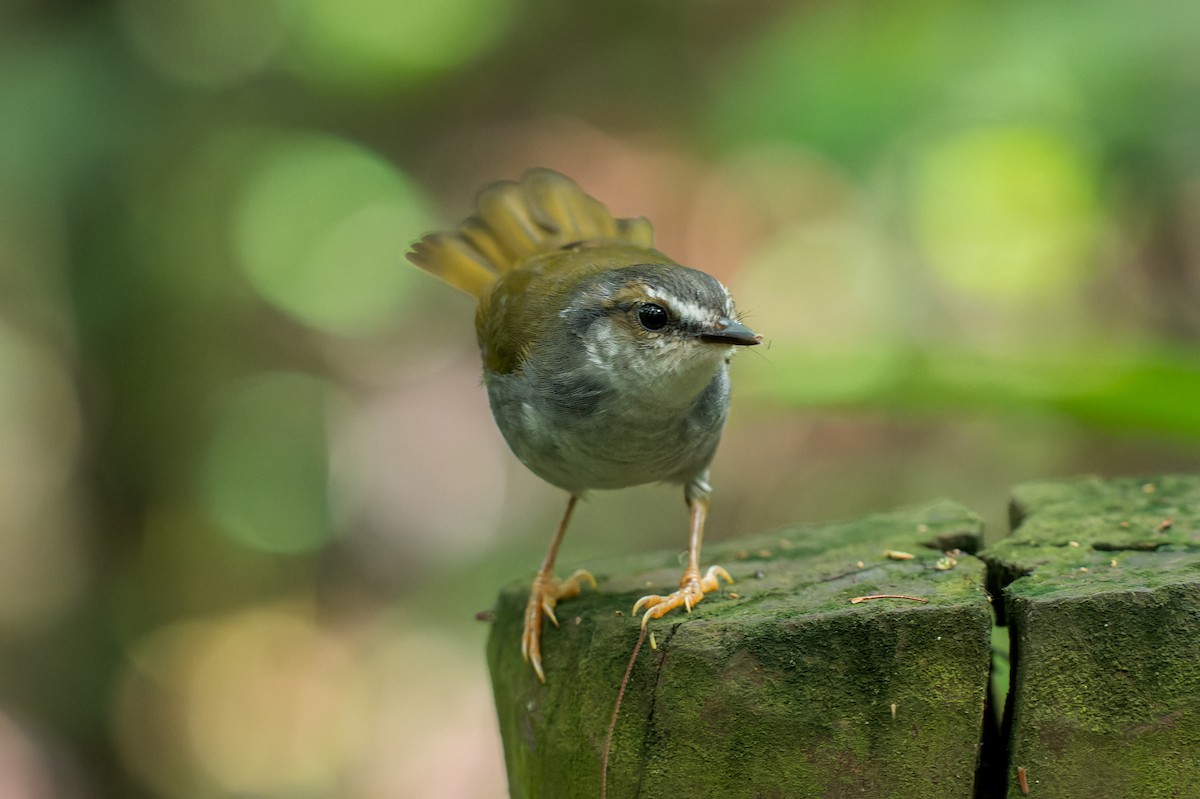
(776, 686)
(1101, 584)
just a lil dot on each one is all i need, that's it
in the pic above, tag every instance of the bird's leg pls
(692, 587)
(545, 593)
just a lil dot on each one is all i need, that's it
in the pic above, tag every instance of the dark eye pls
(653, 317)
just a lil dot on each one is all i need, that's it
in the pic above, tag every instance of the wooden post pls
(1101, 583)
(778, 685)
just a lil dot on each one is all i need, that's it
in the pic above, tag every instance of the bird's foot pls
(543, 597)
(692, 589)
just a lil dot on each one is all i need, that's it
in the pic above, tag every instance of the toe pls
(710, 582)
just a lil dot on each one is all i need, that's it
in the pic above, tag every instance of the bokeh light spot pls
(273, 706)
(205, 42)
(265, 472)
(825, 290)
(25, 770)
(1007, 212)
(42, 562)
(370, 42)
(322, 229)
(824, 283)
(420, 470)
(258, 703)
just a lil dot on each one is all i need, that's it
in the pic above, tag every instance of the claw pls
(571, 587)
(710, 581)
(692, 589)
(543, 597)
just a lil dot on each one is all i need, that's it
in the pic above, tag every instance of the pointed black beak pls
(728, 331)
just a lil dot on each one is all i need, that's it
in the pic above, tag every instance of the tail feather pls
(476, 233)
(560, 206)
(451, 258)
(506, 214)
(636, 230)
(545, 211)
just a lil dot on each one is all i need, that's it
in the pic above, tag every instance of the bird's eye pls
(653, 317)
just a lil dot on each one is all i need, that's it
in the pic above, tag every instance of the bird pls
(606, 362)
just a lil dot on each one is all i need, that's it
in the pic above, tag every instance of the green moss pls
(780, 686)
(776, 686)
(1105, 636)
(1106, 689)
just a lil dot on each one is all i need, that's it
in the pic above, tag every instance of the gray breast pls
(572, 435)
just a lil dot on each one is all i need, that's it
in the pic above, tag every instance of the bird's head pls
(656, 324)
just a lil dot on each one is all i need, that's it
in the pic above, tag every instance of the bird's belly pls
(613, 451)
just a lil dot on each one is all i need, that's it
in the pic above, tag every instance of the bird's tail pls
(543, 212)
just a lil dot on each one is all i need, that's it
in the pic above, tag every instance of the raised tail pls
(545, 211)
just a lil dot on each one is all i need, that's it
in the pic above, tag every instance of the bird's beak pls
(728, 331)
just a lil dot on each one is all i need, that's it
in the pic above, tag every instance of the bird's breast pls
(587, 434)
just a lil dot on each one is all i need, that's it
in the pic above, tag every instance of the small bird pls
(605, 361)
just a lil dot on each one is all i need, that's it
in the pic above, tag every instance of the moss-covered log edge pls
(1132, 515)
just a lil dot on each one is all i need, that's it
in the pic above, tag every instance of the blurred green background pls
(251, 496)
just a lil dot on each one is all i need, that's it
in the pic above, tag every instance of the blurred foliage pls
(251, 495)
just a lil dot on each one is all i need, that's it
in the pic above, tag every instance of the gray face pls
(632, 388)
(651, 304)
(642, 335)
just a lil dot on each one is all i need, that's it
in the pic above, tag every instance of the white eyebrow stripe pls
(728, 299)
(690, 311)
